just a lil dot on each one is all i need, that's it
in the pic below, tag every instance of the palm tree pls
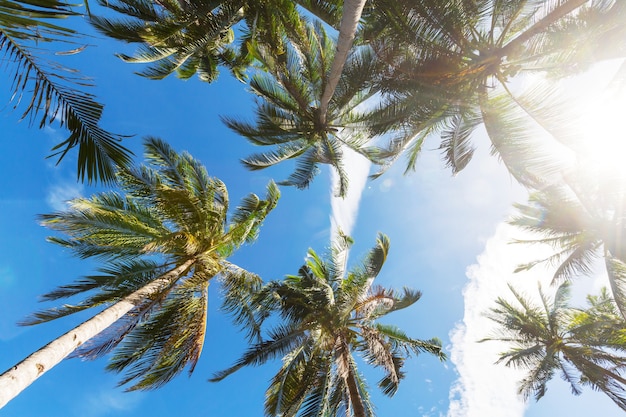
(48, 91)
(190, 37)
(583, 222)
(451, 66)
(326, 316)
(288, 107)
(162, 242)
(586, 346)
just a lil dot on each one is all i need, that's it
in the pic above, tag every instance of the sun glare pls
(601, 105)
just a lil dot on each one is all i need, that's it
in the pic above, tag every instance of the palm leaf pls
(617, 278)
(54, 90)
(239, 288)
(186, 39)
(282, 339)
(159, 348)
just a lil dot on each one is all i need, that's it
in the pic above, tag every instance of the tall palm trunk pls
(556, 14)
(350, 17)
(20, 376)
(346, 371)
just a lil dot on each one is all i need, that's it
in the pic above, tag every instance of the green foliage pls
(196, 37)
(48, 91)
(450, 65)
(171, 219)
(582, 221)
(326, 315)
(585, 345)
(289, 90)
(182, 37)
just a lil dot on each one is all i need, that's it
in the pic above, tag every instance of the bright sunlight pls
(602, 109)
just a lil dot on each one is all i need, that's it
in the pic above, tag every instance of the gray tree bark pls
(352, 10)
(20, 376)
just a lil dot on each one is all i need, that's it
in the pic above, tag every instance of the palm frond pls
(455, 141)
(617, 278)
(282, 339)
(248, 218)
(306, 170)
(518, 143)
(400, 341)
(55, 91)
(186, 39)
(159, 348)
(239, 288)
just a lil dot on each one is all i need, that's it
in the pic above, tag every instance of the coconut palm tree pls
(583, 221)
(162, 241)
(327, 315)
(47, 91)
(586, 346)
(190, 37)
(452, 66)
(289, 91)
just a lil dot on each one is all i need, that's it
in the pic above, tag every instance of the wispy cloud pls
(345, 210)
(58, 195)
(108, 402)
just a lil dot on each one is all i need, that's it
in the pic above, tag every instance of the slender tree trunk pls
(618, 286)
(20, 376)
(346, 372)
(355, 396)
(352, 10)
(556, 14)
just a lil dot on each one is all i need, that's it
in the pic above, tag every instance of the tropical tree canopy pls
(583, 221)
(326, 315)
(169, 213)
(47, 91)
(585, 345)
(288, 118)
(451, 66)
(196, 37)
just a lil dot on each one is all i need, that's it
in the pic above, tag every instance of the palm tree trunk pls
(346, 372)
(618, 286)
(541, 25)
(20, 376)
(355, 396)
(350, 17)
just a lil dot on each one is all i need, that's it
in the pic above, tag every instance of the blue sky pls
(447, 239)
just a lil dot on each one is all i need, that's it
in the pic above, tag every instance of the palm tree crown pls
(586, 346)
(288, 118)
(171, 220)
(326, 316)
(451, 63)
(583, 221)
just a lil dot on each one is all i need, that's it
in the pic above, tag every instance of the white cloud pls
(345, 210)
(484, 388)
(108, 402)
(60, 194)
